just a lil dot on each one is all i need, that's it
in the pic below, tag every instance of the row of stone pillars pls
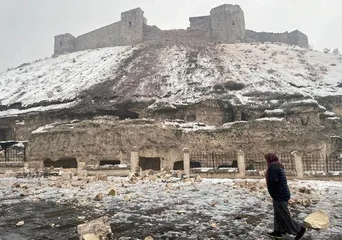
(240, 162)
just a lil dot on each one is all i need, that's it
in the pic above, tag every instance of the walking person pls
(280, 193)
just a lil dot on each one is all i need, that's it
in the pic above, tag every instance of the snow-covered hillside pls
(58, 80)
(173, 74)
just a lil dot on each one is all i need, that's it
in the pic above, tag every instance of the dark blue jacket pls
(277, 183)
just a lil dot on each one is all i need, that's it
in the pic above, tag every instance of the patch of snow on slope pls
(270, 119)
(12, 112)
(189, 126)
(281, 68)
(59, 78)
(274, 111)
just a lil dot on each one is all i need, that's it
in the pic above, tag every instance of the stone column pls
(134, 160)
(186, 161)
(298, 163)
(121, 156)
(241, 163)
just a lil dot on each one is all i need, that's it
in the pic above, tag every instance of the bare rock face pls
(317, 220)
(98, 229)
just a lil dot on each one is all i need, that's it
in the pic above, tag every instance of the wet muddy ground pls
(42, 221)
(210, 209)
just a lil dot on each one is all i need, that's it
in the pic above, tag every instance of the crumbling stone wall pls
(225, 24)
(293, 38)
(201, 27)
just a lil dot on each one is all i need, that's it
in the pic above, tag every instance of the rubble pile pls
(218, 205)
(301, 196)
(98, 229)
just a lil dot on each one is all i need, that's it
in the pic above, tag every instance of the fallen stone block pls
(317, 220)
(111, 192)
(66, 176)
(21, 223)
(10, 173)
(82, 174)
(98, 197)
(98, 229)
(102, 177)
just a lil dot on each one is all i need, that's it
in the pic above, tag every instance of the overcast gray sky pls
(27, 27)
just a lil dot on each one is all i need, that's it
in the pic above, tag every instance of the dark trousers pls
(283, 222)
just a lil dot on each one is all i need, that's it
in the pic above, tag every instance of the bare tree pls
(336, 51)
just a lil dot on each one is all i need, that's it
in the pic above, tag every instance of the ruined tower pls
(227, 24)
(132, 26)
(298, 38)
(64, 43)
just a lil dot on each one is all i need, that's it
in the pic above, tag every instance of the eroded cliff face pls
(106, 138)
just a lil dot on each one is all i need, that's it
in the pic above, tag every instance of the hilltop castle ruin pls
(225, 24)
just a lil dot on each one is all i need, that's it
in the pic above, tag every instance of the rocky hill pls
(161, 76)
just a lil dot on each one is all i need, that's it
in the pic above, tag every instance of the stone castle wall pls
(225, 24)
(103, 37)
(128, 31)
(293, 38)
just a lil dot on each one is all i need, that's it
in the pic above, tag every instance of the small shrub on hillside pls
(326, 50)
(271, 71)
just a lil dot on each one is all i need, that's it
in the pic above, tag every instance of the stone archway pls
(179, 165)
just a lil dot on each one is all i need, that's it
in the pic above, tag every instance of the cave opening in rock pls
(65, 162)
(6, 134)
(109, 162)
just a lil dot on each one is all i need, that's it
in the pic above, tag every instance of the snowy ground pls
(164, 208)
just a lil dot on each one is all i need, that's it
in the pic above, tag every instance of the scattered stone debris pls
(66, 176)
(16, 185)
(317, 220)
(128, 198)
(98, 229)
(306, 202)
(112, 192)
(169, 186)
(21, 223)
(304, 190)
(213, 224)
(198, 178)
(102, 177)
(98, 197)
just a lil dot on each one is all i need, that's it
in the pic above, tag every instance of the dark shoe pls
(301, 233)
(275, 235)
